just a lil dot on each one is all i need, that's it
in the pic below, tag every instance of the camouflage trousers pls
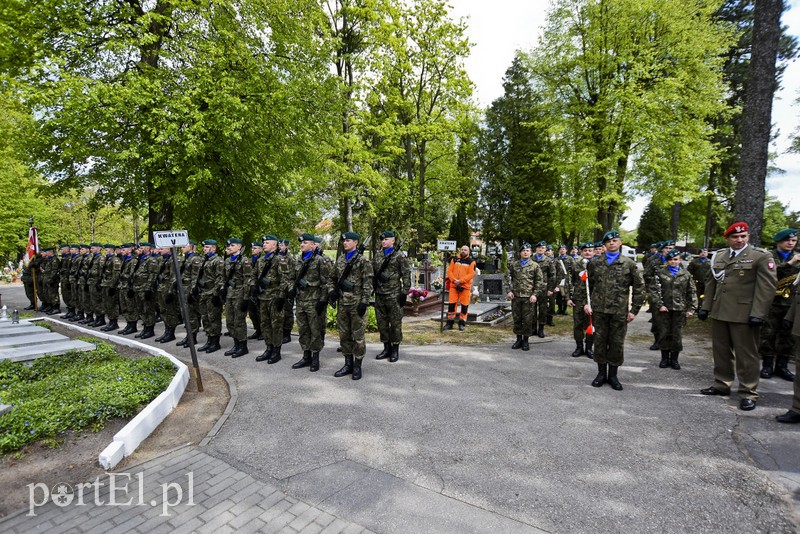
(211, 316)
(272, 321)
(111, 303)
(29, 291)
(193, 309)
(288, 316)
(389, 315)
(76, 290)
(542, 304)
(85, 298)
(775, 342)
(145, 309)
(96, 298)
(609, 337)
(170, 311)
(236, 318)
(310, 326)
(254, 312)
(524, 314)
(580, 322)
(66, 293)
(670, 329)
(127, 305)
(351, 331)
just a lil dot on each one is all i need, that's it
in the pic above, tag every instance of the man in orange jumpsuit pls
(460, 273)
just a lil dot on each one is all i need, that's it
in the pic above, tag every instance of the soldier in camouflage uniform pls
(776, 345)
(83, 285)
(238, 276)
(144, 287)
(288, 312)
(63, 275)
(700, 269)
(272, 278)
(610, 277)
(311, 286)
(392, 282)
(656, 262)
(577, 300)
(112, 270)
(564, 266)
(524, 281)
(93, 280)
(51, 278)
(76, 282)
(549, 276)
(792, 321)
(191, 266)
(674, 297)
(209, 286)
(353, 275)
(257, 248)
(167, 291)
(127, 297)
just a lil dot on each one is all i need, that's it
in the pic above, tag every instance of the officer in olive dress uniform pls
(109, 284)
(674, 297)
(700, 269)
(611, 277)
(584, 341)
(256, 249)
(776, 345)
(549, 276)
(792, 322)
(739, 294)
(191, 266)
(288, 311)
(235, 292)
(144, 288)
(524, 281)
(127, 297)
(167, 293)
(353, 275)
(270, 284)
(310, 289)
(392, 282)
(564, 267)
(209, 285)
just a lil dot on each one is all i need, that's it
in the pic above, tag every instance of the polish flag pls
(33, 245)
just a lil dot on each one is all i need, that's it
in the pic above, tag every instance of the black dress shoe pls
(789, 417)
(784, 373)
(713, 391)
(766, 372)
(747, 405)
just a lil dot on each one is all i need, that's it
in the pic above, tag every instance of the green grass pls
(75, 391)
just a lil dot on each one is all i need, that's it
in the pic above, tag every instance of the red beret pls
(736, 228)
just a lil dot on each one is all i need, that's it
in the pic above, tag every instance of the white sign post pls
(171, 238)
(443, 244)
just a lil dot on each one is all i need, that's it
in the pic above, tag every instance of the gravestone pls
(490, 287)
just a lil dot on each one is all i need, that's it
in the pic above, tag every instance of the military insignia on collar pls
(771, 265)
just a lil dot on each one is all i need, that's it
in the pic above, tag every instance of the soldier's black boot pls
(78, 316)
(395, 352)
(130, 328)
(86, 320)
(517, 344)
(387, 349)
(100, 321)
(148, 332)
(540, 330)
(255, 334)
(525, 344)
(169, 334)
(275, 357)
(449, 324)
(612, 378)
(266, 354)
(242, 350)
(68, 315)
(357, 369)
(287, 336)
(304, 362)
(347, 368)
(314, 362)
(590, 347)
(665, 359)
(578, 349)
(140, 334)
(233, 349)
(550, 320)
(655, 345)
(462, 324)
(112, 325)
(214, 346)
(673, 361)
(602, 375)
(782, 370)
(160, 338)
(766, 368)
(204, 347)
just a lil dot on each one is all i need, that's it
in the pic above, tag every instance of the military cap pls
(96, 244)
(672, 253)
(736, 228)
(588, 244)
(317, 239)
(210, 242)
(784, 234)
(541, 243)
(47, 249)
(524, 246)
(63, 245)
(233, 241)
(562, 245)
(126, 245)
(351, 235)
(284, 241)
(549, 247)
(653, 245)
(306, 237)
(703, 249)
(388, 233)
(192, 242)
(256, 243)
(83, 245)
(669, 243)
(107, 245)
(146, 244)
(76, 245)
(269, 237)
(611, 234)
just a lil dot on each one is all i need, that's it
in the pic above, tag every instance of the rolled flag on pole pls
(33, 245)
(585, 277)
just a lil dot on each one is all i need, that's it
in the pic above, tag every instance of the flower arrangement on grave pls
(437, 284)
(417, 295)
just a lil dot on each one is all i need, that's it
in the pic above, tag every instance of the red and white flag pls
(33, 245)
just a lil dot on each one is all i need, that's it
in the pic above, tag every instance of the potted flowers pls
(415, 296)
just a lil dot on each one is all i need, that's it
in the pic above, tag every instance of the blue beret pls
(588, 244)
(611, 234)
(524, 246)
(541, 243)
(672, 253)
(784, 234)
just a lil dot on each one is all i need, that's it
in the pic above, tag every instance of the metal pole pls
(445, 291)
(187, 324)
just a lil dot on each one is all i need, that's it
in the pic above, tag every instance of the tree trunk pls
(712, 179)
(674, 220)
(757, 117)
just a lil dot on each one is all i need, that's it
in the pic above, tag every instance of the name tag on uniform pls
(745, 261)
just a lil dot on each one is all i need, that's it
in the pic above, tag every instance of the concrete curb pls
(140, 427)
(234, 392)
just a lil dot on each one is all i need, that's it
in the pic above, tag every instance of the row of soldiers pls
(100, 282)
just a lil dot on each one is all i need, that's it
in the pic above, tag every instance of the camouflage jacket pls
(395, 277)
(611, 285)
(563, 274)
(50, 268)
(548, 268)
(83, 270)
(66, 263)
(95, 270)
(211, 277)
(238, 275)
(316, 282)
(190, 269)
(112, 269)
(677, 293)
(356, 287)
(577, 286)
(145, 276)
(526, 280)
(699, 270)
(129, 264)
(75, 268)
(272, 277)
(165, 280)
